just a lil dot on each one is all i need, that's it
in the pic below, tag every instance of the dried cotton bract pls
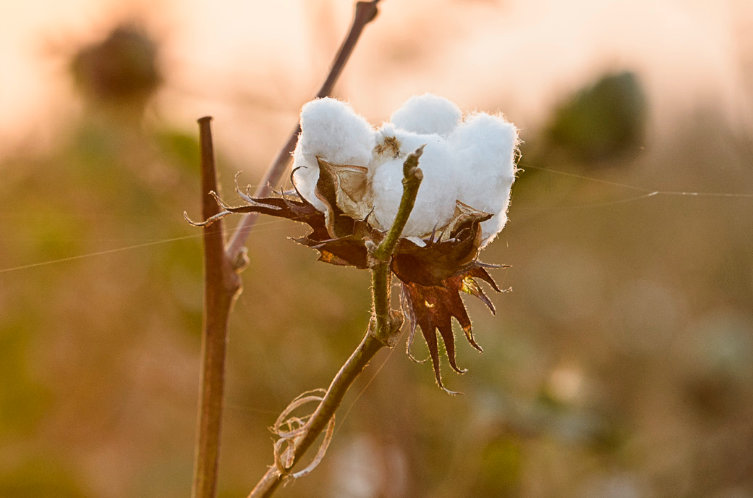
(348, 176)
(336, 134)
(469, 161)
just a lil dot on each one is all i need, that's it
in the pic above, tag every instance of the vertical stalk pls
(221, 284)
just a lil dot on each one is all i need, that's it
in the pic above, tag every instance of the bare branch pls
(364, 14)
(221, 284)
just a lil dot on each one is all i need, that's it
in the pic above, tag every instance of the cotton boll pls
(427, 114)
(485, 149)
(305, 176)
(472, 161)
(435, 202)
(387, 188)
(330, 129)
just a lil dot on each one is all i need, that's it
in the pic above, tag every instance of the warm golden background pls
(620, 364)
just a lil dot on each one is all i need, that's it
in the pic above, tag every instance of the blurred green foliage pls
(40, 475)
(619, 365)
(603, 120)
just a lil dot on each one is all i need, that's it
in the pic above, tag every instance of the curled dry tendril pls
(290, 429)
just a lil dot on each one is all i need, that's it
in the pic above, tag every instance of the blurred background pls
(620, 362)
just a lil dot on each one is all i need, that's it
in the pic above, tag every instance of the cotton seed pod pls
(348, 177)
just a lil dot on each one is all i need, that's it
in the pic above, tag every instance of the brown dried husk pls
(432, 275)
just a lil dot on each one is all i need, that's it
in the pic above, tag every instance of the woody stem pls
(221, 285)
(382, 332)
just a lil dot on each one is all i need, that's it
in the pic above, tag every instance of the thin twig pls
(365, 13)
(221, 284)
(383, 330)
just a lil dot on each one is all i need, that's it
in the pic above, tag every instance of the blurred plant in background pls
(620, 365)
(85, 396)
(605, 120)
(119, 72)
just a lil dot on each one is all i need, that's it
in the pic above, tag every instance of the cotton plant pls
(348, 177)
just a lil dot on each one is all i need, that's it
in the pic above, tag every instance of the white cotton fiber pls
(427, 114)
(435, 202)
(485, 149)
(330, 129)
(471, 161)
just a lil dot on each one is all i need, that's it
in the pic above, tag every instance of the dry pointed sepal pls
(456, 248)
(345, 187)
(433, 307)
(464, 217)
(349, 250)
